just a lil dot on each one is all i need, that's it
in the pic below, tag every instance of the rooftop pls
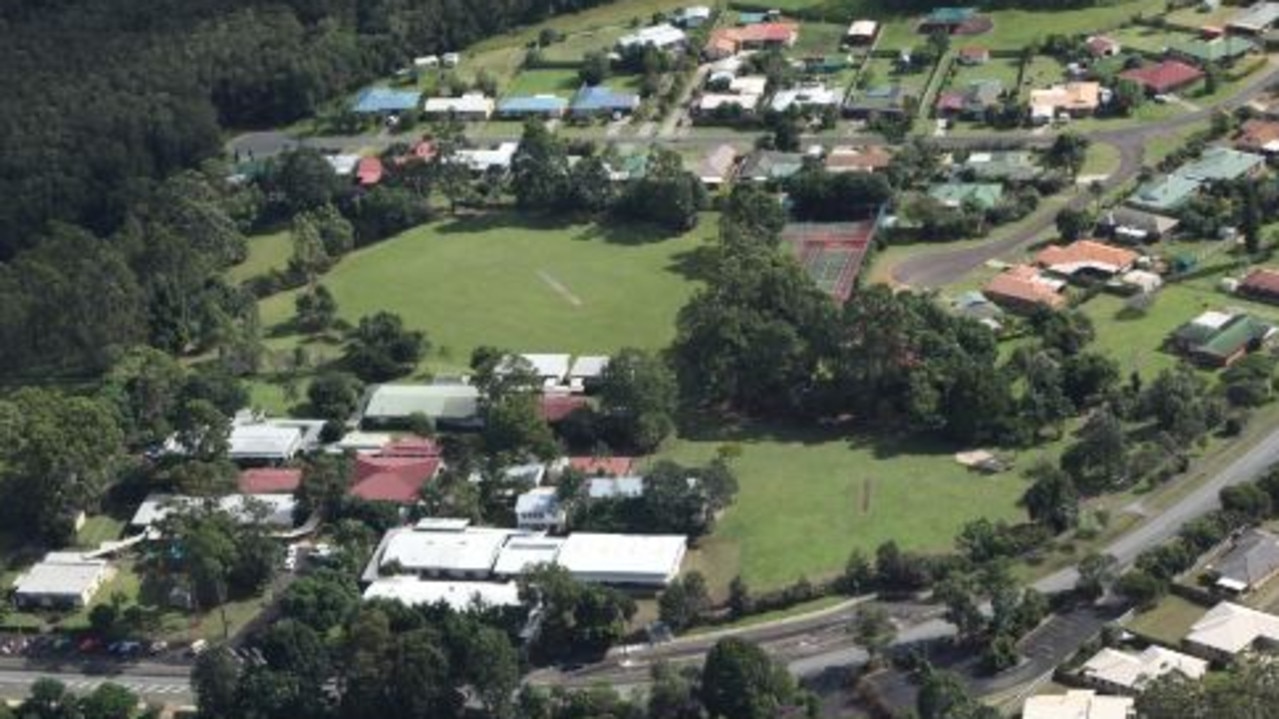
(866, 158)
(1135, 671)
(1223, 48)
(521, 552)
(471, 103)
(1262, 280)
(276, 509)
(1252, 559)
(771, 165)
(1258, 136)
(1077, 704)
(385, 99)
(1163, 76)
(662, 35)
(628, 558)
(447, 401)
(1221, 163)
(1256, 18)
(62, 574)
(602, 466)
(270, 480)
(950, 15)
(1231, 628)
(380, 478)
(1209, 336)
(1165, 193)
(471, 551)
(956, 194)
(263, 441)
(533, 103)
(557, 407)
(615, 487)
(1024, 284)
(602, 98)
(459, 596)
(1086, 255)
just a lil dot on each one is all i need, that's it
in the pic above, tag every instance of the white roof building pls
(660, 36)
(278, 509)
(1129, 673)
(467, 553)
(449, 402)
(615, 487)
(545, 366)
(711, 102)
(497, 158)
(1228, 629)
(459, 596)
(524, 551)
(863, 29)
(343, 165)
(364, 442)
(650, 560)
(749, 85)
(805, 97)
(473, 104)
(1077, 704)
(268, 442)
(61, 580)
(588, 367)
(540, 509)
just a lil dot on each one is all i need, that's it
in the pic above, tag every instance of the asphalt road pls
(152, 682)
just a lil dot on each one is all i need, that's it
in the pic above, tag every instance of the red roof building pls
(411, 447)
(1258, 136)
(598, 466)
(270, 480)
(393, 479)
(554, 408)
(1102, 46)
(1261, 284)
(732, 40)
(368, 172)
(1164, 77)
(974, 55)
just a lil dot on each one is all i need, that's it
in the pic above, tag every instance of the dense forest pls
(107, 100)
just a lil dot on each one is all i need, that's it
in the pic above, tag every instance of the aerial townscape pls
(639, 359)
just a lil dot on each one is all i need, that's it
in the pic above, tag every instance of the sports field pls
(511, 282)
(807, 499)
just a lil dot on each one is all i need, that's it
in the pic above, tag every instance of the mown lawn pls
(1169, 621)
(808, 498)
(544, 82)
(98, 529)
(508, 281)
(1014, 29)
(266, 252)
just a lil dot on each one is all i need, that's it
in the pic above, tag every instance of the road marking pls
(559, 288)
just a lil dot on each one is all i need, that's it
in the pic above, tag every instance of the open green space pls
(573, 47)
(510, 281)
(266, 253)
(808, 498)
(1102, 159)
(98, 529)
(1146, 39)
(545, 82)
(1015, 29)
(1003, 69)
(818, 38)
(883, 71)
(1168, 622)
(618, 14)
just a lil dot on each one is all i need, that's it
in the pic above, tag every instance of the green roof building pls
(1221, 163)
(1219, 339)
(1224, 50)
(957, 194)
(1164, 194)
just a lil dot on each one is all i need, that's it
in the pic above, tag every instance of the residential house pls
(1225, 50)
(882, 100)
(1259, 136)
(1164, 194)
(388, 476)
(861, 32)
(972, 101)
(1228, 630)
(1087, 260)
(766, 165)
(947, 19)
(385, 101)
(1126, 224)
(956, 195)
(555, 408)
(488, 159)
(1261, 284)
(597, 466)
(1078, 704)
(691, 17)
(727, 41)
(450, 59)
(975, 306)
(270, 480)
(1127, 673)
(973, 55)
(549, 369)
(1001, 166)
(274, 510)
(805, 97)
(1255, 19)
(343, 164)
(663, 37)
(544, 106)
(864, 158)
(1022, 290)
(1102, 46)
(587, 372)
(1219, 339)
(1164, 77)
(716, 168)
(600, 101)
(615, 487)
(447, 405)
(459, 596)
(1251, 560)
(469, 106)
(1076, 99)
(368, 172)
(540, 509)
(261, 443)
(1219, 164)
(64, 581)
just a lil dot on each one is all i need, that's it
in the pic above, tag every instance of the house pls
(1218, 164)
(615, 487)
(447, 405)
(1086, 258)
(1139, 281)
(549, 369)
(1022, 290)
(691, 17)
(1224, 50)
(368, 172)
(864, 158)
(522, 106)
(469, 106)
(861, 32)
(1255, 19)
(586, 372)
(1077, 704)
(276, 510)
(651, 560)
(727, 41)
(947, 19)
(601, 101)
(426, 62)
(710, 103)
(1164, 77)
(716, 169)
(805, 97)
(824, 64)
(1164, 194)
(61, 581)
(663, 37)
(1253, 558)
(598, 466)
(450, 59)
(973, 55)
(1126, 224)
(391, 477)
(1261, 284)
(765, 165)
(262, 443)
(343, 164)
(1077, 99)
(748, 85)
(484, 160)
(1102, 46)
(459, 596)
(1259, 136)
(1128, 673)
(555, 408)
(270, 480)
(1227, 630)
(882, 100)
(972, 101)
(975, 306)
(956, 195)
(1001, 166)
(540, 509)
(385, 101)
(1219, 339)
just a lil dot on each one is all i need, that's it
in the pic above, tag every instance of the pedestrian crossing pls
(82, 685)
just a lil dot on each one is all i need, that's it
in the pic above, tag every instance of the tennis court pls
(831, 253)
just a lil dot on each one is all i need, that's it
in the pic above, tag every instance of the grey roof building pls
(1252, 560)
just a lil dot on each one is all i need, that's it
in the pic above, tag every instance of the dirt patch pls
(868, 489)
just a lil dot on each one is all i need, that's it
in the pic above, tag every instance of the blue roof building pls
(532, 105)
(601, 100)
(375, 100)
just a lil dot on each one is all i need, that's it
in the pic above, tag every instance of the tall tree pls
(740, 681)
(539, 170)
(381, 348)
(638, 396)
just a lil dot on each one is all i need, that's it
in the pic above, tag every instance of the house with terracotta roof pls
(368, 171)
(1261, 284)
(1259, 136)
(973, 55)
(270, 480)
(1164, 77)
(393, 478)
(1102, 46)
(861, 32)
(760, 36)
(1022, 290)
(555, 408)
(865, 158)
(597, 466)
(1077, 99)
(1086, 259)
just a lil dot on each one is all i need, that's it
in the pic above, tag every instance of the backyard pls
(1015, 29)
